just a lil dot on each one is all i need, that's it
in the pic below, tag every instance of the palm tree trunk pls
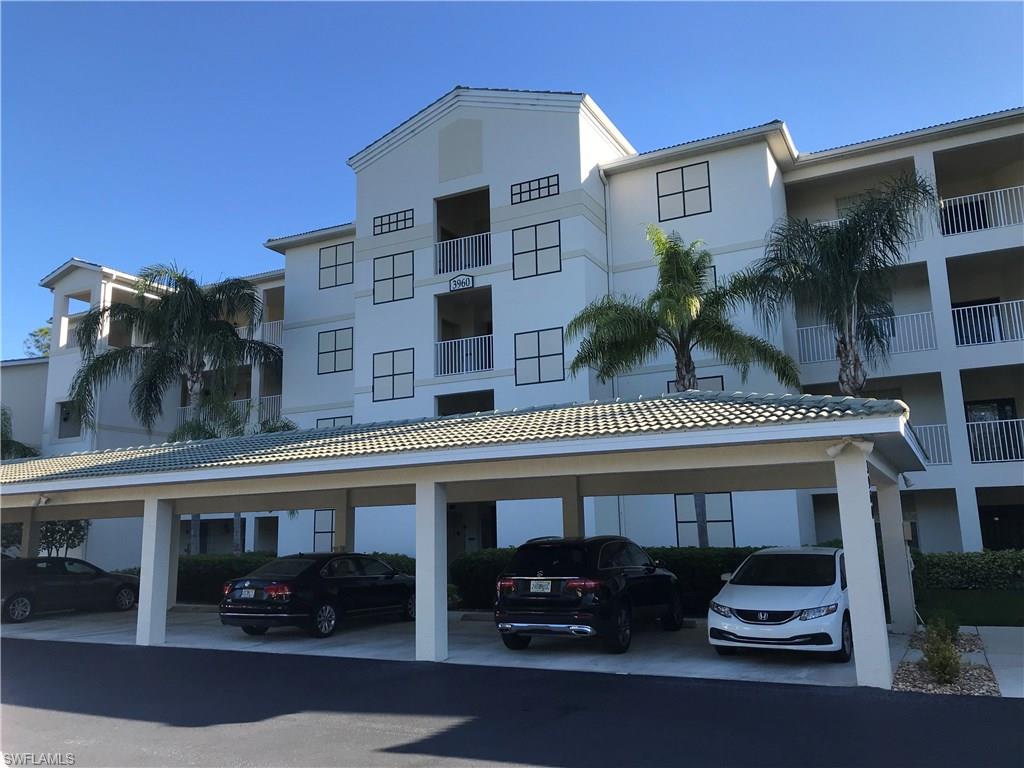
(852, 376)
(686, 373)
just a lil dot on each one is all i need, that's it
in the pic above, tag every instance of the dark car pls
(580, 587)
(36, 584)
(314, 591)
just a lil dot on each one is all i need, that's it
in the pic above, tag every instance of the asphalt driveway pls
(125, 705)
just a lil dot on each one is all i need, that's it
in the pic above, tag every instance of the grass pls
(984, 607)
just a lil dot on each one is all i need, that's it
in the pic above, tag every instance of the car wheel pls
(254, 631)
(325, 620)
(124, 598)
(409, 609)
(844, 654)
(673, 618)
(18, 608)
(516, 642)
(621, 634)
(724, 650)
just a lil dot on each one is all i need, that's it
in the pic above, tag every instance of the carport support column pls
(867, 612)
(30, 530)
(431, 571)
(572, 508)
(157, 517)
(897, 562)
(172, 562)
(344, 523)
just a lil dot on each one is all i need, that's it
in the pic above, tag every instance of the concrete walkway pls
(1004, 649)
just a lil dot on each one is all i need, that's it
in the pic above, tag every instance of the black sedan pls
(314, 591)
(583, 588)
(35, 584)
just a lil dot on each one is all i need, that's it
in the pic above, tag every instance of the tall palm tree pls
(843, 271)
(685, 310)
(180, 331)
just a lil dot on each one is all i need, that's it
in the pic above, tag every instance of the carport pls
(686, 443)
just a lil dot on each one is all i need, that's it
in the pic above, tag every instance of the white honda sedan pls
(784, 598)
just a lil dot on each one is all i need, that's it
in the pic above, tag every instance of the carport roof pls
(682, 412)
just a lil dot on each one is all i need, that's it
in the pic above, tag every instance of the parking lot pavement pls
(675, 654)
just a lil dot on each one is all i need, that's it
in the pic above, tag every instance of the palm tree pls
(181, 331)
(685, 310)
(843, 271)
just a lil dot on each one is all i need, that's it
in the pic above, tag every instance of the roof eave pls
(282, 244)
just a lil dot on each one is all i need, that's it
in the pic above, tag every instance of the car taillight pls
(227, 587)
(506, 585)
(278, 591)
(584, 585)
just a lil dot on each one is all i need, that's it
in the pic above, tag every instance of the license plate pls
(540, 586)
(248, 593)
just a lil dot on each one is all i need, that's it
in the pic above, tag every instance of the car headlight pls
(817, 613)
(721, 610)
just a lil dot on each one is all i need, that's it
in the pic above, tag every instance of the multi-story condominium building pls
(487, 220)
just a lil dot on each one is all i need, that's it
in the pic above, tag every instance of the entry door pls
(1002, 527)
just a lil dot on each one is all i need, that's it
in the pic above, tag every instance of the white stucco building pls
(489, 218)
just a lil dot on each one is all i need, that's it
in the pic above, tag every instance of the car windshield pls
(786, 571)
(283, 566)
(551, 560)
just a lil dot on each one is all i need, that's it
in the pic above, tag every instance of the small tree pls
(37, 343)
(58, 535)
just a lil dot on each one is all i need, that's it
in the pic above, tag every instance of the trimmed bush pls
(998, 570)
(201, 577)
(941, 658)
(475, 575)
(699, 570)
(401, 563)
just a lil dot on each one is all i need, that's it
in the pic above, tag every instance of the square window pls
(536, 250)
(393, 277)
(534, 189)
(524, 264)
(695, 176)
(393, 374)
(527, 371)
(550, 341)
(687, 533)
(524, 239)
(684, 191)
(334, 351)
(551, 368)
(670, 207)
(670, 182)
(540, 356)
(336, 265)
(392, 222)
(333, 421)
(526, 345)
(697, 201)
(686, 511)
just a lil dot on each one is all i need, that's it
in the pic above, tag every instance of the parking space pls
(473, 640)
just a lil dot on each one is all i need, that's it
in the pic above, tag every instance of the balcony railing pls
(996, 441)
(934, 438)
(272, 332)
(463, 253)
(242, 407)
(907, 333)
(989, 323)
(270, 408)
(469, 355)
(982, 210)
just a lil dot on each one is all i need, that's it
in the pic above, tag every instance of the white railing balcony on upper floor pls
(996, 441)
(989, 323)
(981, 210)
(272, 332)
(469, 355)
(269, 408)
(241, 407)
(913, 332)
(934, 438)
(462, 253)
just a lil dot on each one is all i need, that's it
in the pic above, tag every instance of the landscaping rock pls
(975, 680)
(966, 642)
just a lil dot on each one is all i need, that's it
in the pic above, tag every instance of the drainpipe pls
(608, 290)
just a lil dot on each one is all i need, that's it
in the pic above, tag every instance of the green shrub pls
(946, 619)
(941, 658)
(401, 563)
(475, 575)
(201, 577)
(1000, 569)
(699, 570)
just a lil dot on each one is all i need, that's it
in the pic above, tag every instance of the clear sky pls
(141, 133)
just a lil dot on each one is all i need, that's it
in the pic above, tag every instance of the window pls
(323, 530)
(613, 555)
(339, 568)
(392, 222)
(524, 191)
(704, 520)
(539, 356)
(334, 351)
(537, 250)
(69, 420)
(373, 567)
(333, 421)
(393, 374)
(78, 568)
(392, 277)
(704, 384)
(637, 557)
(684, 191)
(842, 571)
(336, 265)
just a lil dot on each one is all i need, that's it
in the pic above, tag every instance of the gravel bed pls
(975, 680)
(966, 642)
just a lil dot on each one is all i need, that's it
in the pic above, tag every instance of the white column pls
(897, 560)
(156, 552)
(172, 561)
(970, 522)
(250, 532)
(29, 546)
(572, 509)
(431, 572)
(867, 612)
(344, 524)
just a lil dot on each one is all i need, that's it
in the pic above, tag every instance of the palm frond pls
(617, 334)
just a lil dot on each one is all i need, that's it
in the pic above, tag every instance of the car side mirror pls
(726, 576)
(658, 564)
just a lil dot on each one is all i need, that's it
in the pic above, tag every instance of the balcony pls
(907, 333)
(269, 408)
(990, 323)
(468, 355)
(272, 332)
(241, 407)
(982, 210)
(934, 438)
(462, 253)
(996, 441)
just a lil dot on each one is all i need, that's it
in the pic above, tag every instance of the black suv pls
(582, 588)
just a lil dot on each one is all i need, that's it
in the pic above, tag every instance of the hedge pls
(996, 570)
(474, 575)
(401, 563)
(201, 577)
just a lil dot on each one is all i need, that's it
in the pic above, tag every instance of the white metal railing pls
(242, 407)
(907, 333)
(273, 332)
(934, 438)
(462, 253)
(475, 353)
(919, 225)
(72, 338)
(989, 323)
(994, 441)
(270, 408)
(981, 210)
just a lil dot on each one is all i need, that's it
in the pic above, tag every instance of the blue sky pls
(141, 133)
